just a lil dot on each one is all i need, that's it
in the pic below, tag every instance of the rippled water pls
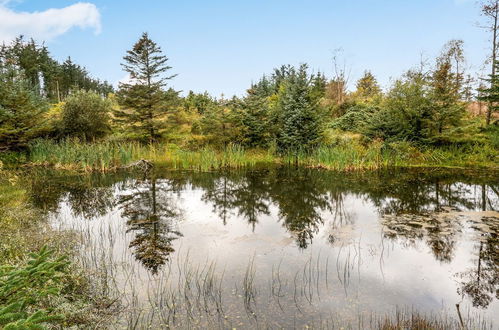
(284, 247)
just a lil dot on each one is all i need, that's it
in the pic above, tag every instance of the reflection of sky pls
(381, 273)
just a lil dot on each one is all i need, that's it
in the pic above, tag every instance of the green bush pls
(86, 115)
(355, 118)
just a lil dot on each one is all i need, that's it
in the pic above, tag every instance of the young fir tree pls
(255, 115)
(491, 94)
(447, 110)
(143, 101)
(21, 110)
(367, 87)
(299, 122)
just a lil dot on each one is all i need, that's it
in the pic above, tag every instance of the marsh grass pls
(111, 155)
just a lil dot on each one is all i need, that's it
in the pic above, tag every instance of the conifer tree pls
(447, 110)
(367, 87)
(300, 127)
(21, 111)
(143, 100)
(491, 94)
(255, 115)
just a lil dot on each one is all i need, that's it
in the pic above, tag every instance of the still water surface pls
(284, 247)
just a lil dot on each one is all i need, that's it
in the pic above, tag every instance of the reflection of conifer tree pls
(407, 193)
(482, 284)
(150, 213)
(220, 192)
(251, 199)
(300, 196)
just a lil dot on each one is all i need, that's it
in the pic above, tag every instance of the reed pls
(111, 155)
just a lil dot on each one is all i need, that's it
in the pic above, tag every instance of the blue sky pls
(221, 46)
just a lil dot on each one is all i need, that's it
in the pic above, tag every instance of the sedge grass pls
(108, 155)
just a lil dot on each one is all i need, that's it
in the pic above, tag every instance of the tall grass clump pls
(232, 156)
(74, 154)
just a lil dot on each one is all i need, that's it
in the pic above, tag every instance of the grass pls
(346, 156)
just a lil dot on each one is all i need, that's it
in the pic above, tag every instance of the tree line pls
(290, 110)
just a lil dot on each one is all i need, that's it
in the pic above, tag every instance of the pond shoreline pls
(107, 156)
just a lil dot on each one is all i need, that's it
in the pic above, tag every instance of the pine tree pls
(143, 100)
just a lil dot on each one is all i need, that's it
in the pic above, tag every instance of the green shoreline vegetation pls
(290, 116)
(55, 114)
(344, 156)
(42, 283)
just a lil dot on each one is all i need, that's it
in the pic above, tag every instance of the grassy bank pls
(41, 284)
(107, 156)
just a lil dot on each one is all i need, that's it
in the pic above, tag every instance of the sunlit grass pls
(108, 155)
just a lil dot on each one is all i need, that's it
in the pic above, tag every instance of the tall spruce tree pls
(143, 100)
(256, 115)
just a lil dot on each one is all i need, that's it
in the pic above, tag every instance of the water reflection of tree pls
(305, 199)
(88, 196)
(151, 212)
(409, 194)
(221, 192)
(481, 284)
(300, 198)
(251, 199)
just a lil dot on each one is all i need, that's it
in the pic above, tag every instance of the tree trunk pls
(494, 56)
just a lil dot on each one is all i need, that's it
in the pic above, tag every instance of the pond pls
(283, 247)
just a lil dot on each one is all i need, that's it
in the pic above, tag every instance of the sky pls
(221, 46)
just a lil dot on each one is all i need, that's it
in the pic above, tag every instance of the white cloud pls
(47, 24)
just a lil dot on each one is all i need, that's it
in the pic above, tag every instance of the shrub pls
(85, 115)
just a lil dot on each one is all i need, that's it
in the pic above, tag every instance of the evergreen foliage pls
(299, 126)
(367, 87)
(491, 94)
(21, 111)
(44, 75)
(143, 99)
